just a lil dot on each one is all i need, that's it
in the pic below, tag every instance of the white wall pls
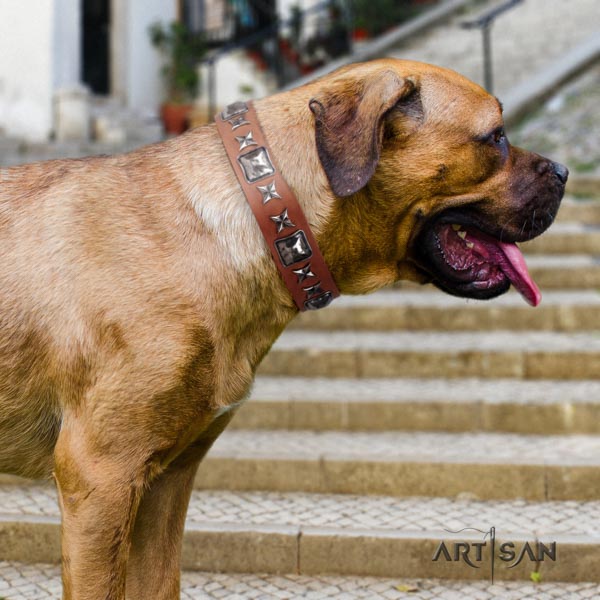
(67, 43)
(284, 7)
(39, 53)
(236, 78)
(26, 68)
(135, 66)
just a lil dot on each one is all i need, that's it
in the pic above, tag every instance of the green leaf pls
(406, 588)
(182, 51)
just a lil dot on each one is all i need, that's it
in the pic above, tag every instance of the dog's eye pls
(499, 137)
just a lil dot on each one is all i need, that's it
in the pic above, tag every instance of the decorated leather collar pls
(280, 218)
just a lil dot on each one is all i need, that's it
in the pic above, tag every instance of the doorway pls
(96, 45)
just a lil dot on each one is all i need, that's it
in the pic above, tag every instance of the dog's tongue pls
(510, 260)
(516, 270)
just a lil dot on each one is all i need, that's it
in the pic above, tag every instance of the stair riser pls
(543, 419)
(581, 186)
(564, 243)
(373, 555)
(316, 551)
(402, 478)
(548, 278)
(381, 363)
(566, 278)
(475, 317)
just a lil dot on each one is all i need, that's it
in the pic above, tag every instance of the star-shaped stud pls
(245, 140)
(313, 290)
(304, 273)
(282, 221)
(268, 192)
(236, 122)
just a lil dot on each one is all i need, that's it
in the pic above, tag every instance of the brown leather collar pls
(280, 218)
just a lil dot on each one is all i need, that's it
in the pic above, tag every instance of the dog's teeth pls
(462, 234)
(470, 245)
(456, 227)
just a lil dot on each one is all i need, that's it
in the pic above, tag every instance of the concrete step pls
(486, 465)
(551, 272)
(499, 354)
(581, 210)
(19, 581)
(431, 309)
(565, 271)
(459, 405)
(312, 534)
(566, 238)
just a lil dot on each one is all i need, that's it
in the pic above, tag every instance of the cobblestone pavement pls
(499, 341)
(302, 389)
(567, 127)
(525, 39)
(430, 296)
(42, 582)
(519, 449)
(352, 511)
(475, 447)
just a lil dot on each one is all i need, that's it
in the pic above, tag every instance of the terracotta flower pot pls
(175, 117)
(360, 34)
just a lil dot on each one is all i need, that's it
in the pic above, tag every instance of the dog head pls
(428, 187)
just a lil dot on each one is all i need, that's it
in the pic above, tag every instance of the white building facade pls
(42, 61)
(56, 54)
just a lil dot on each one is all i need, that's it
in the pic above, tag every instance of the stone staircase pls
(382, 425)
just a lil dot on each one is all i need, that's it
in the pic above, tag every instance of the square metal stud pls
(256, 165)
(293, 249)
(237, 108)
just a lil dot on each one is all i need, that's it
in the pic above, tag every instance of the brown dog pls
(137, 296)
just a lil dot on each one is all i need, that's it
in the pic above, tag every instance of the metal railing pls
(484, 21)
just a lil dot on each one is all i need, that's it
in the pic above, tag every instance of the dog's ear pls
(349, 124)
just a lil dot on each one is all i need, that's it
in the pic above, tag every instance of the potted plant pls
(182, 51)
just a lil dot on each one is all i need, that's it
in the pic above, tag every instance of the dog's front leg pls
(154, 559)
(153, 570)
(99, 494)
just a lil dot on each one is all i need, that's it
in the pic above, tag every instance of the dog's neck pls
(288, 234)
(291, 136)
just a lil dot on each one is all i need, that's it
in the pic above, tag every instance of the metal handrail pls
(484, 21)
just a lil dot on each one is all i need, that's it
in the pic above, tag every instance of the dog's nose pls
(561, 172)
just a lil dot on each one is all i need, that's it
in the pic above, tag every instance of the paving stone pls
(408, 404)
(565, 238)
(562, 449)
(578, 210)
(430, 309)
(347, 511)
(529, 355)
(495, 391)
(201, 586)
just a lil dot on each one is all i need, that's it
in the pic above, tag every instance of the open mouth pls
(465, 261)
